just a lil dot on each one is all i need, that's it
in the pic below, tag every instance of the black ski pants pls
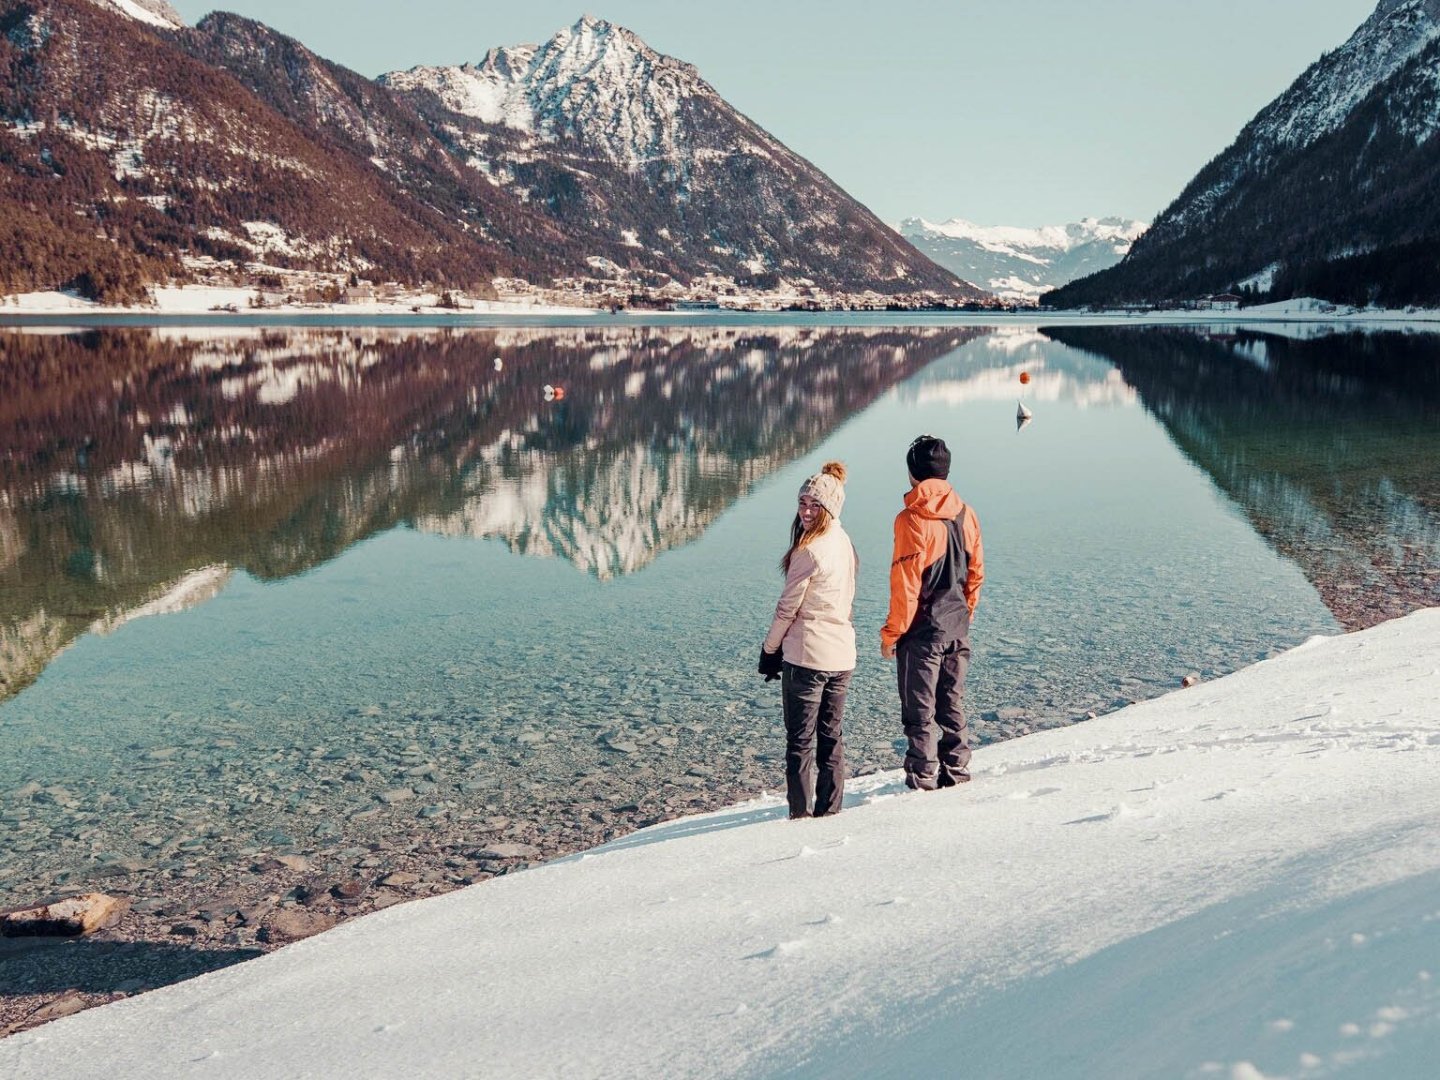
(814, 703)
(932, 692)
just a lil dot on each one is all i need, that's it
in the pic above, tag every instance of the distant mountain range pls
(1019, 264)
(134, 148)
(1329, 191)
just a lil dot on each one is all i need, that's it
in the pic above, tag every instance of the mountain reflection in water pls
(1330, 443)
(130, 459)
(414, 693)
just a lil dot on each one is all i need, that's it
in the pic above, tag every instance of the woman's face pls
(809, 512)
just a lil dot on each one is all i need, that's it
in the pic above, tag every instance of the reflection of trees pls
(129, 459)
(1330, 446)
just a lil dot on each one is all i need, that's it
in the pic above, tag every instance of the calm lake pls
(305, 590)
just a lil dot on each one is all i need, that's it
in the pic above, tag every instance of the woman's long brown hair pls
(801, 537)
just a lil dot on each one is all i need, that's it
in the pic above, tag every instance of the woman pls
(812, 641)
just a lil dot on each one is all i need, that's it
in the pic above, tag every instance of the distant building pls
(1224, 302)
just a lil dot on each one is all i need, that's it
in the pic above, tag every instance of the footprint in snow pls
(1035, 794)
(826, 920)
(806, 851)
(777, 952)
(1118, 811)
(1154, 785)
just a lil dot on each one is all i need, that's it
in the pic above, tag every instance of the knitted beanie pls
(927, 458)
(827, 487)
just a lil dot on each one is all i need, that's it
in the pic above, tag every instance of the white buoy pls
(499, 364)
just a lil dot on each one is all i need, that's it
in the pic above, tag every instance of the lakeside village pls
(611, 287)
(221, 286)
(614, 288)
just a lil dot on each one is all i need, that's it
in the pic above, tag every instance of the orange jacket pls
(921, 537)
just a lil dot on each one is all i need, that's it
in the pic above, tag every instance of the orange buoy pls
(1024, 378)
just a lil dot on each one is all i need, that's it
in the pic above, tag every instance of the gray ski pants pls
(814, 704)
(932, 691)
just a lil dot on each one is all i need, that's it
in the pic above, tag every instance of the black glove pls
(770, 664)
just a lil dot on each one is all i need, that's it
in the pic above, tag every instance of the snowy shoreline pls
(1240, 880)
(229, 304)
(206, 305)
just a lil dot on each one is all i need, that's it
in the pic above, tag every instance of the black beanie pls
(928, 457)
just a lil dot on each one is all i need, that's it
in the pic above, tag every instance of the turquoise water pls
(438, 601)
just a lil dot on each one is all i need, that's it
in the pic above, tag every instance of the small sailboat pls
(1023, 415)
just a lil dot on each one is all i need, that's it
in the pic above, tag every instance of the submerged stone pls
(71, 917)
(294, 924)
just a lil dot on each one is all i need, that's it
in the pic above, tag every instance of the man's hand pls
(887, 651)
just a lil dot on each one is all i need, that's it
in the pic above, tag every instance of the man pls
(935, 577)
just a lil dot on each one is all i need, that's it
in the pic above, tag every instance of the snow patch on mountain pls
(1414, 103)
(153, 12)
(1261, 281)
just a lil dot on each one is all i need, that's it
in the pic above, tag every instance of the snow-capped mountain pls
(606, 133)
(1327, 191)
(1019, 264)
(596, 82)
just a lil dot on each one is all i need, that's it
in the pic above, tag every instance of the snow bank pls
(1241, 879)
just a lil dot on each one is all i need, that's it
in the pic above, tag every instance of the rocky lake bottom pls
(393, 823)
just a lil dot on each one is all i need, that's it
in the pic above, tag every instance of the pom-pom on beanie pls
(827, 487)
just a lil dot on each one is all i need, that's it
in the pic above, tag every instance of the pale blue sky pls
(1030, 112)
